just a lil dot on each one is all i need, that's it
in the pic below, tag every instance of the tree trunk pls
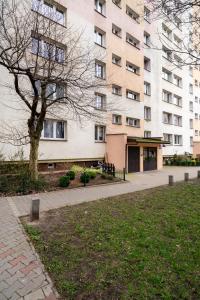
(33, 158)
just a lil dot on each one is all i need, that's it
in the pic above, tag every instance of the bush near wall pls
(182, 160)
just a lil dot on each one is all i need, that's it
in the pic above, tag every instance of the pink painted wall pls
(115, 150)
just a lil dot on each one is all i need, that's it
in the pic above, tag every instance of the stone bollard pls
(35, 210)
(186, 176)
(171, 180)
(198, 174)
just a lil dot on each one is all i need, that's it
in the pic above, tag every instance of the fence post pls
(171, 180)
(198, 174)
(186, 176)
(35, 210)
(84, 179)
(124, 174)
(113, 170)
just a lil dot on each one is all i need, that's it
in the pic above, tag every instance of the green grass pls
(144, 245)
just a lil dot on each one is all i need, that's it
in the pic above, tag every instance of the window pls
(191, 123)
(60, 16)
(116, 60)
(177, 21)
(131, 13)
(166, 31)
(196, 116)
(147, 88)
(147, 39)
(167, 118)
(177, 120)
(132, 122)
(147, 14)
(177, 140)
(117, 119)
(167, 96)
(53, 91)
(133, 41)
(168, 138)
(100, 132)
(167, 75)
(100, 70)
(132, 95)
(196, 132)
(100, 37)
(177, 100)
(196, 82)
(117, 2)
(167, 53)
(147, 134)
(191, 106)
(191, 71)
(132, 68)
(116, 90)
(177, 81)
(147, 64)
(49, 10)
(100, 101)
(191, 88)
(100, 6)
(59, 55)
(196, 99)
(177, 41)
(147, 113)
(191, 141)
(116, 30)
(54, 129)
(47, 50)
(178, 61)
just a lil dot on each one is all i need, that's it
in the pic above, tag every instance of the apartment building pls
(171, 98)
(147, 104)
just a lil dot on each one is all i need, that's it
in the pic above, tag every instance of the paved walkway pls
(136, 182)
(22, 275)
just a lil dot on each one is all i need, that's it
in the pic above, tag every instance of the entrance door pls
(150, 159)
(133, 159)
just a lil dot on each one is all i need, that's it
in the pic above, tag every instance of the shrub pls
(39, 185)
(64, 181)
(85, 177)
(92, 173)
(24, 184)
(193, 162)
(107, 176)
(4, 184)
(77, 169)
(71, 174)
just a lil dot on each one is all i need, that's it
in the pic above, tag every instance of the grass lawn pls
(144, 245)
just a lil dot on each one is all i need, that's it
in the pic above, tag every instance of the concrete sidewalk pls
(136, 182)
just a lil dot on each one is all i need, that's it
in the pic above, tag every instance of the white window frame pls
(51, 11)
(100, 133)
(133, 122)
(54, 134)
(100, 101)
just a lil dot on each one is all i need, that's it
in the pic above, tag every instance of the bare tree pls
(186, 16)
(52, 68)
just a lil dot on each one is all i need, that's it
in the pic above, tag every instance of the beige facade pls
(131, 130)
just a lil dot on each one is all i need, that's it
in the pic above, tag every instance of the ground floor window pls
(54, 129)
(100, 131)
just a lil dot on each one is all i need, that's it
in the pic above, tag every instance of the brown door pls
(133, 159)
(150, 159)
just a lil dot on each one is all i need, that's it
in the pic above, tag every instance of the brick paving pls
(22, 275)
